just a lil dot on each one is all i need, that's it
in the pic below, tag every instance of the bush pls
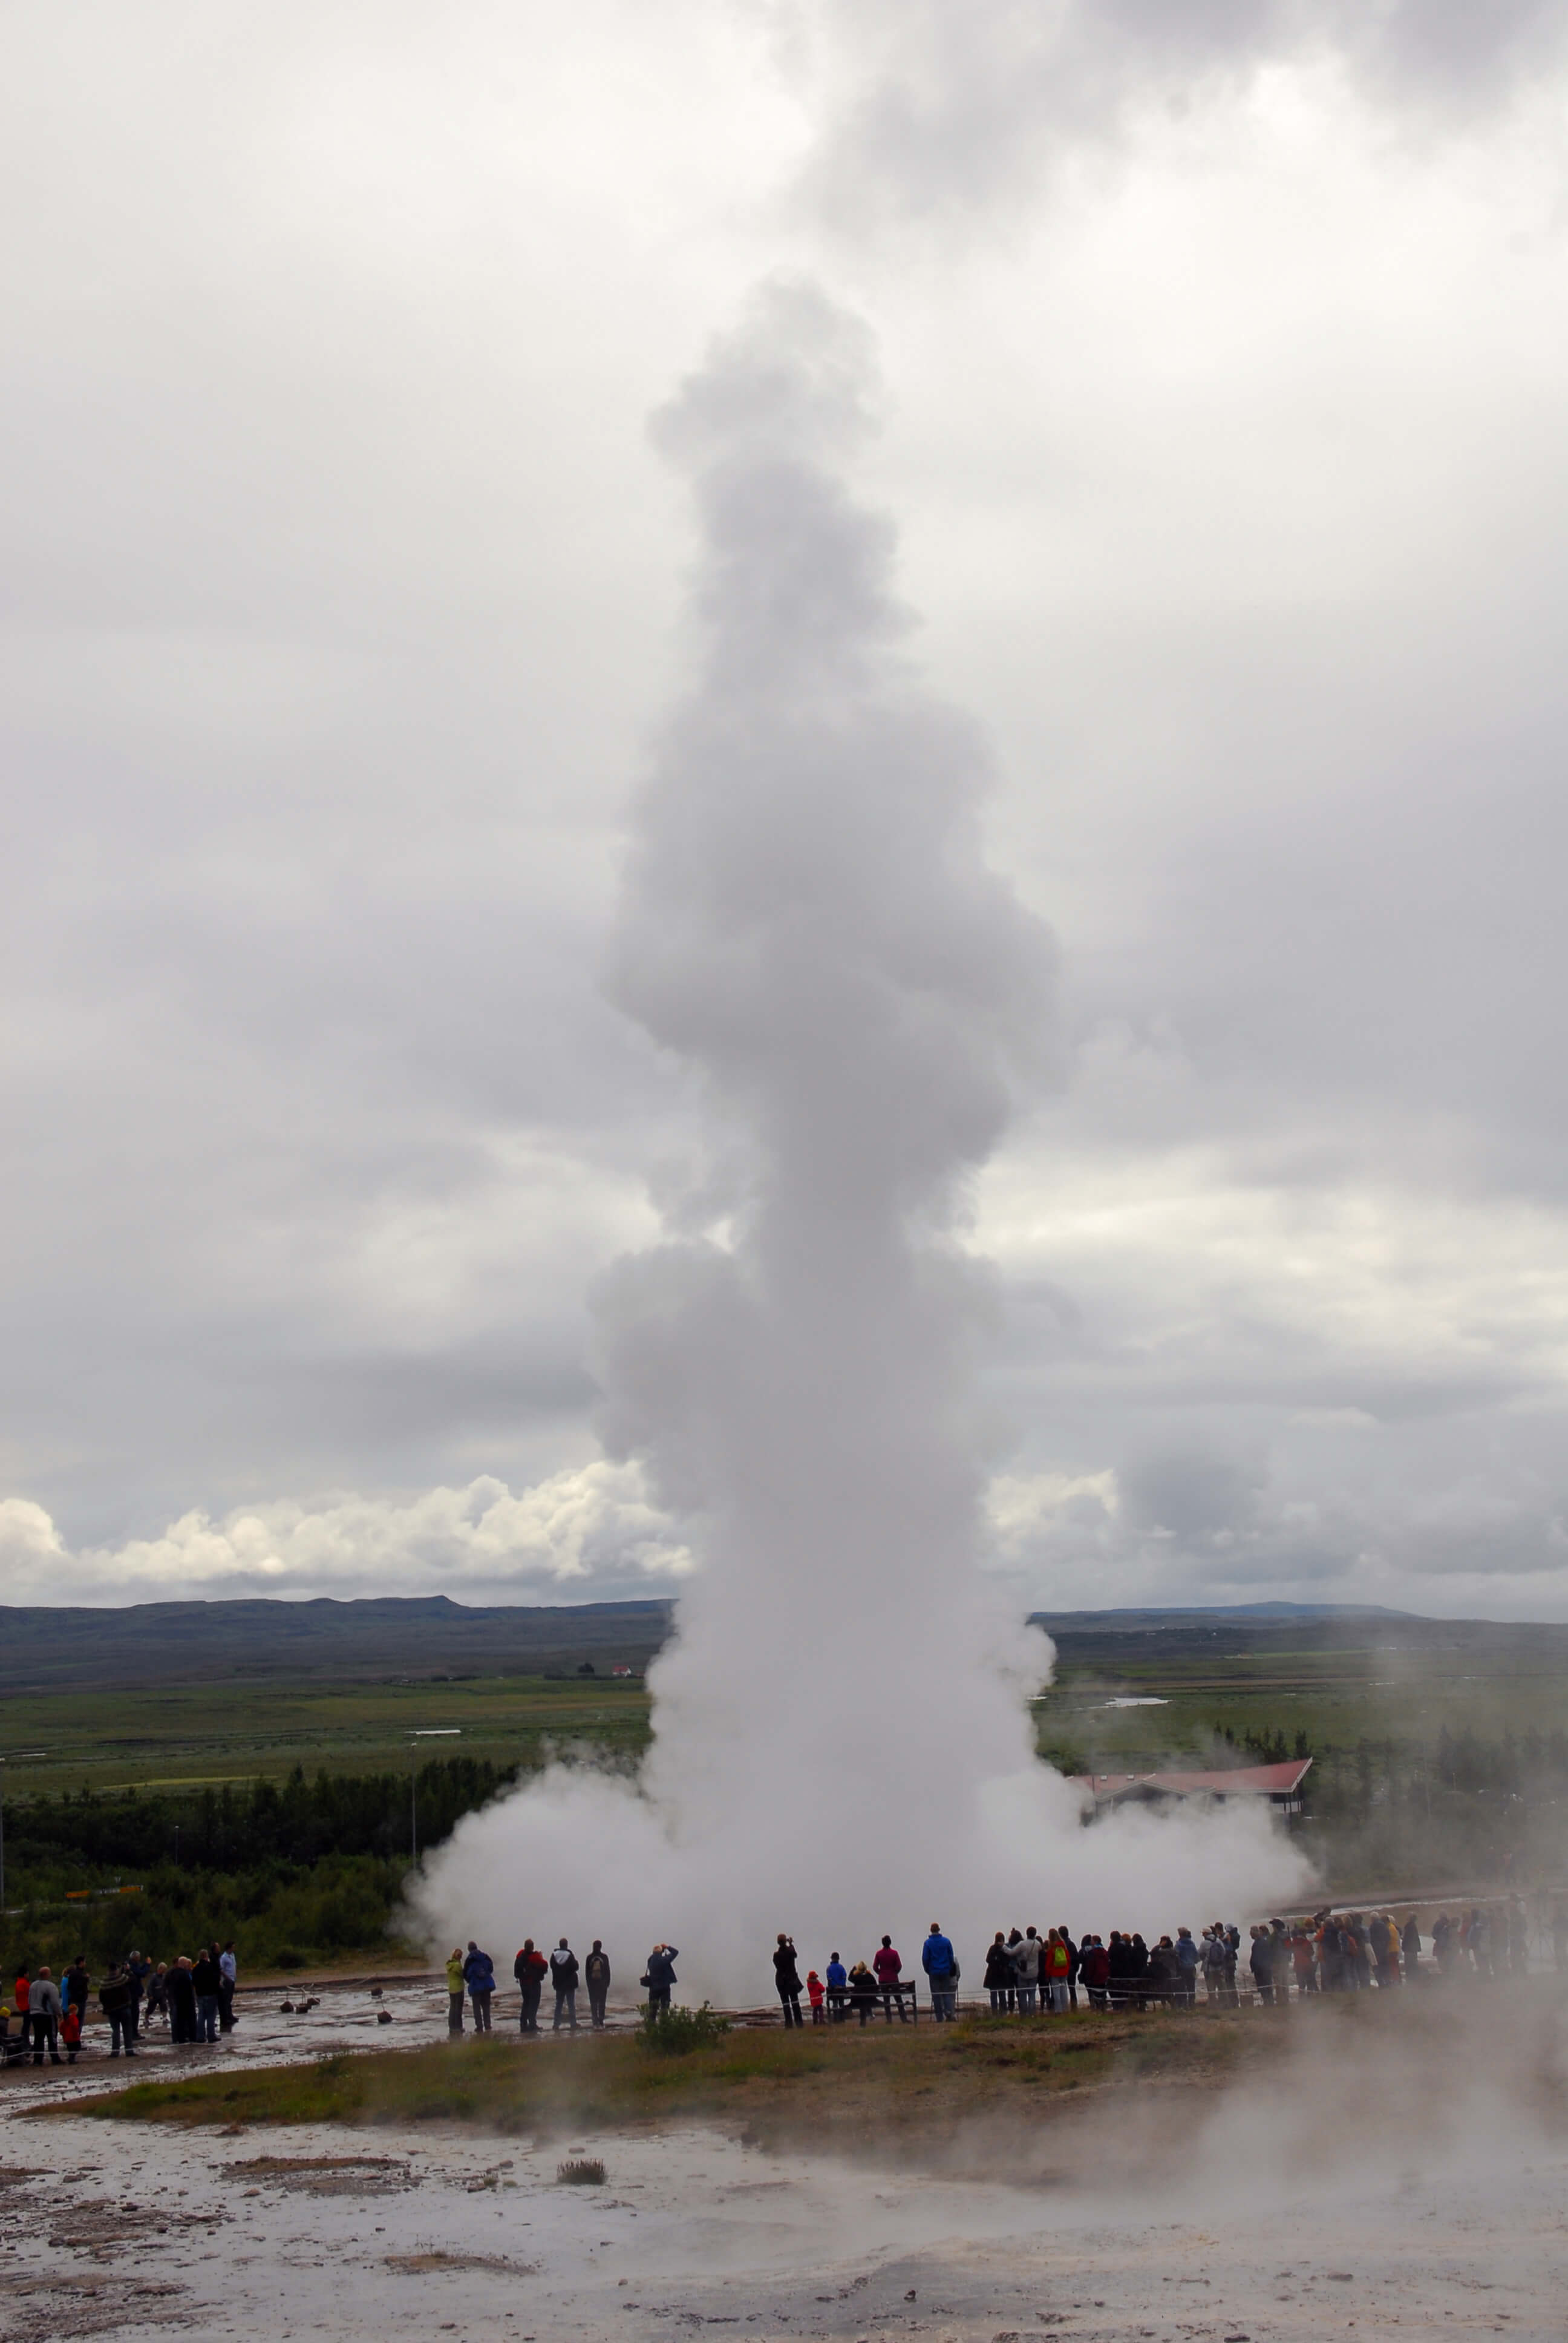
(678, 2031)
(581, 2172)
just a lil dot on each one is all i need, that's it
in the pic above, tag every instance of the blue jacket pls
(479, 1971)
(837, 1974)
(661, 1966)
(1186, 1952)
(937, 1956)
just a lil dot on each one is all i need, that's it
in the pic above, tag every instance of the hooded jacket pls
(998, 1969)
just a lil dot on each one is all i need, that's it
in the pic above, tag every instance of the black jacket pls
(785, 1969)
(179, 1991)
(596, 1971)
(564, 1971)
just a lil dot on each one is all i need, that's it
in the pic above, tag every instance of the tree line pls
(250, 1824)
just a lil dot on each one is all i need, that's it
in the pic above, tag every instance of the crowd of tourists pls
(1025, 1971)
(471, 1984)
(192, 1997)
(1028, 1970)
(1047, 1971)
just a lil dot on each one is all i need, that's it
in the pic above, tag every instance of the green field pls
(1336, 1699)
(1438, 1749)
(113, 1738)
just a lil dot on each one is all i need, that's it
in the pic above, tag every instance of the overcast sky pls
(1224, 354)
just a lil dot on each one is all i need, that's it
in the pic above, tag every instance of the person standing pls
(179, 1991)
(1409, 1948)
(1261, 1961)
(158, 1994)
(939, 1963)
(479, 1976)
(115, 2001)
(1056, 1971)
(228, 1980)
(75, 1987)
(206, 1977)
(564, 1977)
(787, 1978)
(1071, 1965)
(838, 1977)
(1000, 1980)
(43, 2009)
(530, 1969)
(596, 1976)
(456, 1990)
(21, 2003)
(889, 1965)
(1187, 1966)
(138, 1969)
(660, 1979)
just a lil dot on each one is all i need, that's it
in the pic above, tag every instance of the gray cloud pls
(952, 103)
(343, 589)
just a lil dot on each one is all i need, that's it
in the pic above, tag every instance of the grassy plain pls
(1335, 1697)
(233, 1731)
(1373, 1700)
(835, 2086)
(113, 1739)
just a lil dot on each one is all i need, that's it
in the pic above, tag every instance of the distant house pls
(620, 1671)
(1279, 1784)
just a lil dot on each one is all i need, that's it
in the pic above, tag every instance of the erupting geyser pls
(842, 1740)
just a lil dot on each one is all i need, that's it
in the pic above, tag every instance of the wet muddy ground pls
(114, 2230)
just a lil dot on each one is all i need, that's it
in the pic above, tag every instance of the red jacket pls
(887, 1964)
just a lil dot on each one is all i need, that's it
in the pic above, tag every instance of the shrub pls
(677, 2031)
(581, 2172)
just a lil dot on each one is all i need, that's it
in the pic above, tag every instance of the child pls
(815, 1988)
(71, 2030)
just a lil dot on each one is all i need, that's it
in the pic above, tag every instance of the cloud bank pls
(1225, 350)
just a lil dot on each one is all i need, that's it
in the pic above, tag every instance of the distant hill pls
(422, 1636)
(1227, 1611)
(428, 1638)
(1121, 1638)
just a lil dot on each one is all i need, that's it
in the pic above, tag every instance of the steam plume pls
(842, 1740)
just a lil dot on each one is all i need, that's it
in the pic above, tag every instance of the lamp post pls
(13, 1755)
(422, 1733)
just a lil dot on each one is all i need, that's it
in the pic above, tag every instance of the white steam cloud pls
(841, 1742)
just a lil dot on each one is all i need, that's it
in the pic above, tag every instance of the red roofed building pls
(1280, 1784)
